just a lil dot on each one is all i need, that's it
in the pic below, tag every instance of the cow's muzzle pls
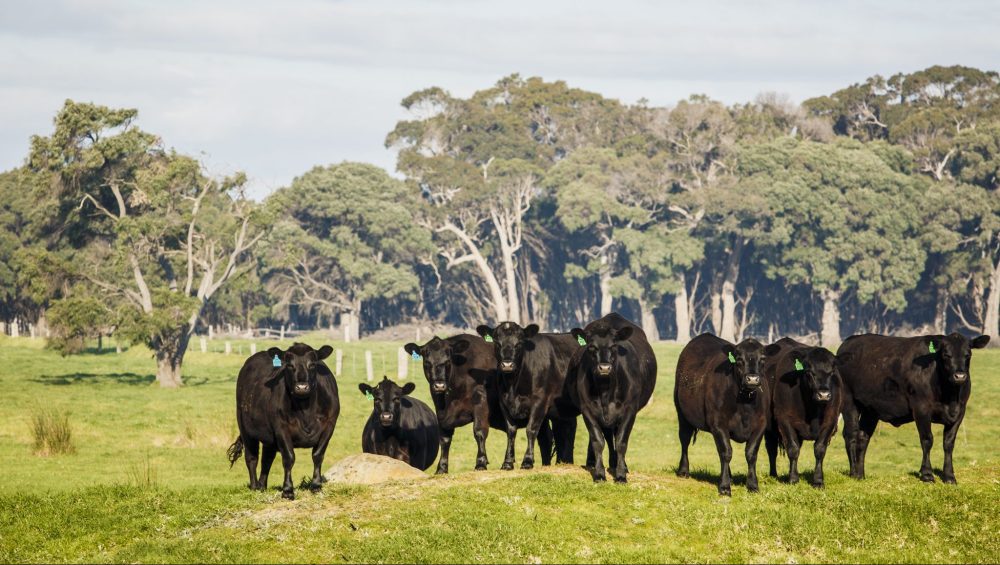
(823, 396)
(301, 389)
(507, 366)
(386, 418)
(751, 381)
(439, 387)
(960, 377)
(604, 369)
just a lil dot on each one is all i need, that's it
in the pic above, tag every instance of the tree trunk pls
(510, 276)
(941, 311)
(170, 356)
(715, 303)
(830, 332)
(732, 273)
(648, 321)
(355, 327)
(681, 313)
(991, 325)
(605, 285)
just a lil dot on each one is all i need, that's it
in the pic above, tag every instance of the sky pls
(276, 88)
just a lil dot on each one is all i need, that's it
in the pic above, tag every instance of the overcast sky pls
(274, 88)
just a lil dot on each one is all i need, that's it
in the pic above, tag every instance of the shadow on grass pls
(108, 378)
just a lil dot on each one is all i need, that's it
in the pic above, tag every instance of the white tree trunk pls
(605, 285)
(648, 321)
(497, 300)
(991, 324)
(715, 303)
(941, 311)
(681, 313)
(830, 331)
(732, 273)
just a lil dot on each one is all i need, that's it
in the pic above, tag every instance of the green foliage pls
(76, 319)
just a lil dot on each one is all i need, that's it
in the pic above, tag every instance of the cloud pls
(276, 88)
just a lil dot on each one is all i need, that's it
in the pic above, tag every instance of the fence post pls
(204, 344)
(369, 369)
(253, 349)
(211, 331)
(404, 363)
(339, 366)
(282, 336)
(229, 347)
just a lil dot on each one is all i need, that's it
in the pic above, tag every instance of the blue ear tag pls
(580, 340)
(732, 358)
(930, 347)
(488, 338)
(368, 395)
(276, 362)
(798, 366)
(416, 356)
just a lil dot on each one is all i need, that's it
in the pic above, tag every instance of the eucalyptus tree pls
(149, 231)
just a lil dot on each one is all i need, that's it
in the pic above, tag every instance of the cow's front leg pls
(480, 430)
(508, 458)
(725, 450)
(445, 442)
(317, 457)
(535, 420)
(287, 461)
(926, 443)
(596, 448)
(948, 471)
(752, 448)
(621, 441)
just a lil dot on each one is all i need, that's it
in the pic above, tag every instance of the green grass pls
(149, 481)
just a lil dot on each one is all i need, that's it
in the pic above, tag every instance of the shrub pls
(52, 433)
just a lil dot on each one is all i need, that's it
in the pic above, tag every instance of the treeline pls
(872, 209)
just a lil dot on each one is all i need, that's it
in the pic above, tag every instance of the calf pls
(905, 379)
(806, 398)
(610, 379)
(719, 389)
(399, 426)
(284, 400)
(461, 372)
(531, 370)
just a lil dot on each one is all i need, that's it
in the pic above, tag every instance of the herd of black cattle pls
(509, 378)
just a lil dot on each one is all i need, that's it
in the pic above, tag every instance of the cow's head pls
(817, 369)
(510, 341)
(387, 397)
(953, 353)
(439, 360)
(747, 360)
(299, 365)
(603, 345)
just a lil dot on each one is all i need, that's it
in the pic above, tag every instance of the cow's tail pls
(235, 451)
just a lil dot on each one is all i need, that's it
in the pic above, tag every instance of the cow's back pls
(880, 372)
(697, 367)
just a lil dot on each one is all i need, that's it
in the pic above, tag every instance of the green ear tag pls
(488, 338)
(580, 340)
(930, 347)
(732, 358)
(369, 396)
(798, 366)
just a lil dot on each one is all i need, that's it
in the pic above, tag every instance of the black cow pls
(531, 371)
(461, 372)
(399, 426)
(284, 400)
(806, 398)
(900, 380)
(610, 379)
(719, 389)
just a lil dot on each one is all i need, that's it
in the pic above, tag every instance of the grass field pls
(149, 481)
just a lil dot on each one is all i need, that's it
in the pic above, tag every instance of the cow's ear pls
(530, 331)
(460, 346)
(581, 337)
(623, 333)
(772, 349)
(412, 348)
(324, 352)
(365, 388)
(844, 357)
(274, 351)
(980, 342)
(408, 388)
(798, 356)
(485, 331)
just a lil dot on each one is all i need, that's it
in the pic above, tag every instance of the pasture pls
(149, 481)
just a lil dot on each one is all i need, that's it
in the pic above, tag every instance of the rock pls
(369, 469)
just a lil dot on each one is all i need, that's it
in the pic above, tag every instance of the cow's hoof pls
(621, 480)
(753, 488)
(289, 494)
(507, 466)
(315, 487)
(481, 466)
(683, 473)
(527, 465)
(725, 491)
(441, 471)
(927, 477)
(818, 484)
(322, 479)
(600, 479)
(949, 480)
(793, 480)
